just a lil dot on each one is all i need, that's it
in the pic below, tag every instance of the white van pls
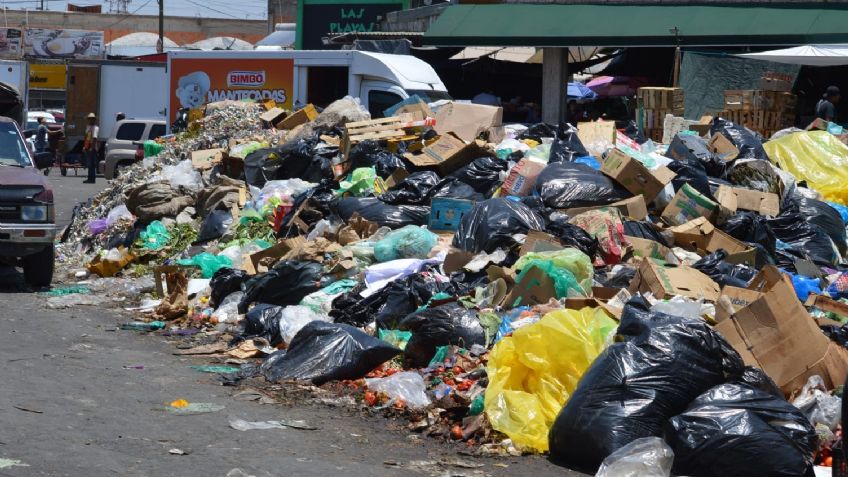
(296, 78)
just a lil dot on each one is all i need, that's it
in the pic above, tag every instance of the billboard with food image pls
(52, 43)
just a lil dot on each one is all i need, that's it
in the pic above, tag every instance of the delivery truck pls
(296, 78)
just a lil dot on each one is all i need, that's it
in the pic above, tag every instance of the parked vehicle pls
(126, 139)
(27, 217)
(15, 74)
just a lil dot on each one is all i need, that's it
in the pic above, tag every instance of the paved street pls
(74, 403)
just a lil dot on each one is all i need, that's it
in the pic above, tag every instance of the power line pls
(211, 9)
(128, 15)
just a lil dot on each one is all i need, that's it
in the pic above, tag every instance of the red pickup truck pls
(27, 215)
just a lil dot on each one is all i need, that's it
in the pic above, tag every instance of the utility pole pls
(160, 46)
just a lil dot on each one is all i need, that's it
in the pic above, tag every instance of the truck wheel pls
(38, 267)
(64, 171)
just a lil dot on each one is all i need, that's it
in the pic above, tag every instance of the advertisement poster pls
(47, 76)
(50, 43)
(195, 81)
(11, 42)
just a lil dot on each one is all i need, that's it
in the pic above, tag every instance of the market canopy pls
(809, 55)
(637, 25)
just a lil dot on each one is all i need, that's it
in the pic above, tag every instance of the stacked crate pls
(654, 104)
(765, 112)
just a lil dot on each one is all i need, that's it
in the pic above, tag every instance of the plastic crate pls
(446, 214)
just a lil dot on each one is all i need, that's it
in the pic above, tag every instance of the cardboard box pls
(447, 154)
(701, 129)
(634, 208)
(522, 177)
(466, 120)
(538, 241)
(275, 251)
(644, 248)
(596, 132)
(667, 280)
(688, 147)
(272, 116)
(447, 213)
(827, 304)
(702, 235)
(535, 288)
(600, 297)
(688, 204)
(206, 158)
(771, 330)
(735, 198)
(723, 148)
(415, 111)
(302, 116)
(634, 176)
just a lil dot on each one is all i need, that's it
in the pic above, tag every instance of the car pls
(27, 214)
(32, 119)
(123, 144)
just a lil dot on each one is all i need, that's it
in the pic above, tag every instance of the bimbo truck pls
(296, 78)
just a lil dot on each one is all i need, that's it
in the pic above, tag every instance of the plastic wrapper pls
(818, 405)
(406, 242)
(566, 146)
(225, 281)
(657, 366)
(152, 148)
(533, 372)
(415, 189)
(322, 300)
(285, 284)
(493, 224)
(644, 457)
(97, 227)
(449, 324)
(751, 227)
(155, 236)
(483, 174)
(818, 158)
(737, 429)
(227, 311)
(838, 288)
(723, 273)
(750, 147)
(563, 185)
(576, 263)
(606, 226)
(804, 286)
(208, 263)
(375, 210)
(359, 184)
(322, 352)
(215, 225)
(403, 388)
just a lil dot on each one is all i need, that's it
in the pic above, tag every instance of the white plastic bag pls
(120, 212)
(295, 317)
(818, 405)
(407, 386)
(183, 174)
(645, 457)
(227, 311)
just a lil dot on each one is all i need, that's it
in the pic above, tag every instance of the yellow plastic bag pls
(533, 372)
(816, 157)
(571, 259)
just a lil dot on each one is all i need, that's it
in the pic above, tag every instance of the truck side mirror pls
(43, 160)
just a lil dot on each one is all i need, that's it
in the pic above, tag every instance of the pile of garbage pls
(619, 304)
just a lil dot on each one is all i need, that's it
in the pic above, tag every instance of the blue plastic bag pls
(804, 286)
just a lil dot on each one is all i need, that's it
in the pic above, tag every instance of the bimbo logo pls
(246, 78)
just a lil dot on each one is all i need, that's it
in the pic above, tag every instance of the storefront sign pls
(43, 76)
(319, 20)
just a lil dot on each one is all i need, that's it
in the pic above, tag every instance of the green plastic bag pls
(155, 236)
(208, 263)
(360, 184)
(152, 148)
(407, 242)
(397, 338)
(572, 260)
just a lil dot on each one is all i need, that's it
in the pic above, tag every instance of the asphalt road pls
(81, 398)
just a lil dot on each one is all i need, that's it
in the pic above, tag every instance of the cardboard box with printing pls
(634, 176)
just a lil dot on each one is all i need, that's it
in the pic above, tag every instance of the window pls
(157, 130)
(130, 132)
(379, 101)
(13, 151)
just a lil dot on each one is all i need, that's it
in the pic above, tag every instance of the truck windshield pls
(430, 96)
(13, 151)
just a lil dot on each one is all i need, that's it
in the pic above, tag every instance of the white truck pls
(296, 78)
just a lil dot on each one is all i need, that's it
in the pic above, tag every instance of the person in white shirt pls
(91, 147)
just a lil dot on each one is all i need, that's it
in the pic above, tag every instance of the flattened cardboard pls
(701, 234)
(644, 248)
(667, 280)
(538, 241)
(601, 132)
(535, 288)
(722, 148)
(634, 176)
(688, 204)
(447, 154)
(302, 116)
(456, 259)
(634, 208)
(774, 332)
(467, 120)
(206, 158)
(275, 251)
(736, 198)
(417, 111)
(600, 297)
(827, 304)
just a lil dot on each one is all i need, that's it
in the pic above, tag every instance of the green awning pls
(638, 25)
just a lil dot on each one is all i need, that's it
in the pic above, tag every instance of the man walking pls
(91, 147)
(826, 107)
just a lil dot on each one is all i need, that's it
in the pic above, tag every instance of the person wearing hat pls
(91, 147)
(826, 107)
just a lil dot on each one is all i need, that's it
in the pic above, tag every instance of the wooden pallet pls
(661, 98)
(373, 129)
(654, 118)
(755, 100)
(764, 122)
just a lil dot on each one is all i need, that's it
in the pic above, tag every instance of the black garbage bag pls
(322, 352)
(632, 131)
(750, 147)
(621, 278)
(377, 211)
(837, 334)
(214, 225)
(412, 190)
(808, 240)
(563, 185)
(369, 153)
(723, 273)
(319, 199)
(738, 429)
(573, 236)
(751, 227)
(453, 188)
(692, 173)
(261, 166)
(296, 156)
(690, 148)
(657, 366)
(225, 281)
(492, 223)
(825, 217)
(537, 131)
(483, 174)
(567, 146)
(263, 321)
(646, 230)
(449, 324)
(285, 284)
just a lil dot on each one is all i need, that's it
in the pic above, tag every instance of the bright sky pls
(253, 9)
